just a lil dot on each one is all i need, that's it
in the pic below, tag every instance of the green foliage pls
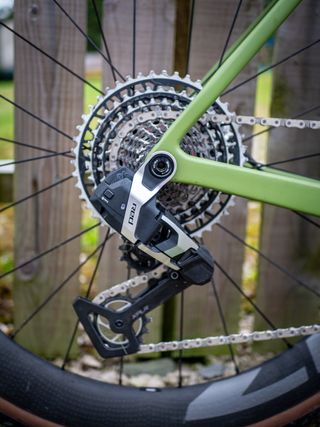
(93, 28)
(88, 240)
(280, 99)
(6, 120)
(90, 95)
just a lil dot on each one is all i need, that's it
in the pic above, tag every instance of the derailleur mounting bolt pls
(161, 166)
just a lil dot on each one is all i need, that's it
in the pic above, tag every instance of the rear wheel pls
(285, 388)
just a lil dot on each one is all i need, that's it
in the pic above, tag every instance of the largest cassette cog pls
(130, 119)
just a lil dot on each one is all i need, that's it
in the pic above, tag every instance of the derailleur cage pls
(121, 322)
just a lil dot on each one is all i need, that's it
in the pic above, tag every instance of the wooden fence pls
(52, 93)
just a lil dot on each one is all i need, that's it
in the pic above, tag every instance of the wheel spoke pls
(88, 38)
(181, 324)
(31, 159)
(54, 292)
(309, 110)
(307, 219)
(224, 325)
(36, 193)
(121, 359)
(272, 262)
(223, 320)
(134, 30)
(190, 30)
(35, 147)
(48, 251)
(181, 320)
(73, 336)
(120, 370)
(229, 34)
(270, 67)
(36, 117)
(103, 38)
(52, 58)
(250, 300)
(293, 159)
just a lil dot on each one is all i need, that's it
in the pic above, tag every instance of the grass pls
(90, 95)
(6, 120)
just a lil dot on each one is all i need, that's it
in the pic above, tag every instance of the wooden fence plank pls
(154, 50)
(288, 239)
(57, 97)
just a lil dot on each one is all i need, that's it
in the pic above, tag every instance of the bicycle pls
(282, 389)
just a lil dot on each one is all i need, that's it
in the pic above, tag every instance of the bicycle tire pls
(279, 391)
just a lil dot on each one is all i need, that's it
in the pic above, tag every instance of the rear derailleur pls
(127, 202)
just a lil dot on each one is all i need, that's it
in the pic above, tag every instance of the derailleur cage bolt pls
(119, 323)
(174, 275)
(161, 166)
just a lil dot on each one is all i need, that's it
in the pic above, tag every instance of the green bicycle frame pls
(265, 184)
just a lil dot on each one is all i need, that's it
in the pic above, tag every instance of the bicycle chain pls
(264, 121)
(128, 284)
(242, 337)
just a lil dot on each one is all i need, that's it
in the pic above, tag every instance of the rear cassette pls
(125, 125)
